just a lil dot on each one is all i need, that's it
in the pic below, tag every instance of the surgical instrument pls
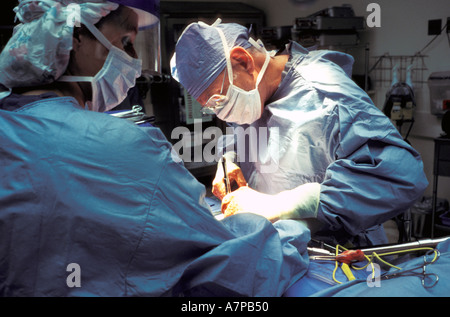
(426, 243)
(225, 178)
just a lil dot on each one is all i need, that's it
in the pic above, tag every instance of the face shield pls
(148, 48)
(147, 43)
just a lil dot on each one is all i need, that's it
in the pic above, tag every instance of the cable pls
(374, 255)
(434, 38)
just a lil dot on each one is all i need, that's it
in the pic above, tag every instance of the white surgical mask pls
(241, 106)
(118, 74)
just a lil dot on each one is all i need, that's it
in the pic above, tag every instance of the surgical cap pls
(39, 49)
(199, 54)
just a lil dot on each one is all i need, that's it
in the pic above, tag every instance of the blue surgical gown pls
(97, 192)
(319, 126)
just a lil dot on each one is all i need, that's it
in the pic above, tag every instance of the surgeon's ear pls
(81, 36)
(76, 42)
(240, 57)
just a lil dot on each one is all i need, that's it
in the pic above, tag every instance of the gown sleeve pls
(376, 175)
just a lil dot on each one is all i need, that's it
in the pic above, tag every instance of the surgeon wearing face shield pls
(337, 163)
(97, 65)
(95, 205)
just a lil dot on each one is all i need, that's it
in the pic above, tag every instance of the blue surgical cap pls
(200, 56)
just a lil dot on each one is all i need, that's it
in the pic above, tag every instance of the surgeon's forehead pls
(130, 20)
(124, 18)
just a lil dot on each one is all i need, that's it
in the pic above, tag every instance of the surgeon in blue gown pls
(308, 143)
(93, 205)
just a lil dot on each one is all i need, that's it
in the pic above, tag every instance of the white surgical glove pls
(299, 203)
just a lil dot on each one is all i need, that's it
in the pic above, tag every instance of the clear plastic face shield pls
(148, 48)
(147, 43)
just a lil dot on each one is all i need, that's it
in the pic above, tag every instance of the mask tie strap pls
(98, 35)
(102, 39)
(263, 69)
(227, 54)
(69, 78)
(259, 46)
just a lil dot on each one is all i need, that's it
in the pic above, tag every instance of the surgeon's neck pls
(272, 78)
(34, 91)
(59, 88)
(75, 90)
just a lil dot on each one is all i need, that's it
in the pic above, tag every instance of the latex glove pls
(298, 203)
(234, 175)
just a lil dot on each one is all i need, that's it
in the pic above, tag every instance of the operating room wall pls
(403, 31)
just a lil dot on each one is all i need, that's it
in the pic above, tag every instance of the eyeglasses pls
(215, 102)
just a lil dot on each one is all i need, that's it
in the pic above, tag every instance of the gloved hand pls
(298, 203)
(234, 175)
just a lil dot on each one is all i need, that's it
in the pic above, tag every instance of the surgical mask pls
(238, 106)
(111, 84)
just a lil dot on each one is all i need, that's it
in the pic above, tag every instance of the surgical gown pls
(92, 205)
(319, 126)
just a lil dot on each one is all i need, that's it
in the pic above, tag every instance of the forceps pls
(429, 280)
(432, 278)
(225, 178)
